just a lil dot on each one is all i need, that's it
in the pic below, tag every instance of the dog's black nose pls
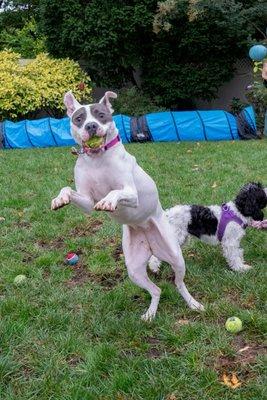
(91, 128)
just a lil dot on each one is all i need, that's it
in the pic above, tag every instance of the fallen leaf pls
(2, 219)
(195, 169)
(191, 254)
(171, 397)
(189, 151)
(214, 185)
(236, 386)
(183, 321)
(231, 382)
(234, 379)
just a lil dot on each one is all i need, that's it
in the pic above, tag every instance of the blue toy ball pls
(258, 52)
(72, 258)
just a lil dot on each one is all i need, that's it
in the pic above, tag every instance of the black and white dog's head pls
(89, 120)
(251, 200)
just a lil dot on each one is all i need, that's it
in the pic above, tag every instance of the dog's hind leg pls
(137, 253)
(163, 244)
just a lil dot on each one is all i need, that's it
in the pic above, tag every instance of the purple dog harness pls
(228, 216)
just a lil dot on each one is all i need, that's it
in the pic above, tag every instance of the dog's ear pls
(71, 103)
(258, 215)
(251, 200)
(106, 102)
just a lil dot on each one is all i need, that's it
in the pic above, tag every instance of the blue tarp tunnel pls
(212, 125)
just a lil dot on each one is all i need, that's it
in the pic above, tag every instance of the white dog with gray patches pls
(108, 178)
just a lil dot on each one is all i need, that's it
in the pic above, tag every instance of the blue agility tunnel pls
(168, 126)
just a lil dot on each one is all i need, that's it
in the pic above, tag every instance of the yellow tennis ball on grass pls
(233, 325)
(19, 279)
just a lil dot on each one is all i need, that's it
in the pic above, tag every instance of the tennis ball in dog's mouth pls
(19, 279)
(94, 142)
(233, 325)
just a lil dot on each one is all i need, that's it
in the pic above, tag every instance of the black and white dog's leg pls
(137, 252)
(163, 244)
(154, 264)
(67, 196)
(234, 255)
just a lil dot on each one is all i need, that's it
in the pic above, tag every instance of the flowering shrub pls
(39, 85)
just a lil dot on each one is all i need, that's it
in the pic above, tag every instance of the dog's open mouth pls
(94, 142)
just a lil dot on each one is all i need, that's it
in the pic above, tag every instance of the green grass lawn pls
(75, 333)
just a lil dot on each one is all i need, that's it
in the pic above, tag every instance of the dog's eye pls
(101, 115)
(78, 119)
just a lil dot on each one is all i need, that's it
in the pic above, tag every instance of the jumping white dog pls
(224, 225)
(108, 178)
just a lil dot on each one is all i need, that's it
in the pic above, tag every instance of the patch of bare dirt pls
(23, 224)
(235, 298)
(74, 359)
(79, 277)
(92, 226)
(157, 348)
(57, 243)
(46, 273)
(245, 356)
(27, 257)
(27, 372)
(108, 280)
(118, 253)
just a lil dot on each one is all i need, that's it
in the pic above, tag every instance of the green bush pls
(237, 105)
(185, 49)
(26, 41)
(257, 95)
(39, 85)
(134, 102)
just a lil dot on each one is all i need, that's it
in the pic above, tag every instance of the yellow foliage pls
(39, 85)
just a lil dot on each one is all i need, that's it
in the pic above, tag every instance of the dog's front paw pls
(242, 268)
(149, 315)
(106, 204)
(195, 305)
(62, 199)
(245, 267)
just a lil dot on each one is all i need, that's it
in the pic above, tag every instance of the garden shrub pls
(39, 85)
(184, 49)
(27, 41)
(132, 101)
(257, 95)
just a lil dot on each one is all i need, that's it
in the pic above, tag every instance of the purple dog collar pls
(228, 216)
(112, 143)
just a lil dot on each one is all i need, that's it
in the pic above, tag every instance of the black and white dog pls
(223, 224)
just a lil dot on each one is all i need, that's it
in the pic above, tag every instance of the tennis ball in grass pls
(19, 279)
(233, 325)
